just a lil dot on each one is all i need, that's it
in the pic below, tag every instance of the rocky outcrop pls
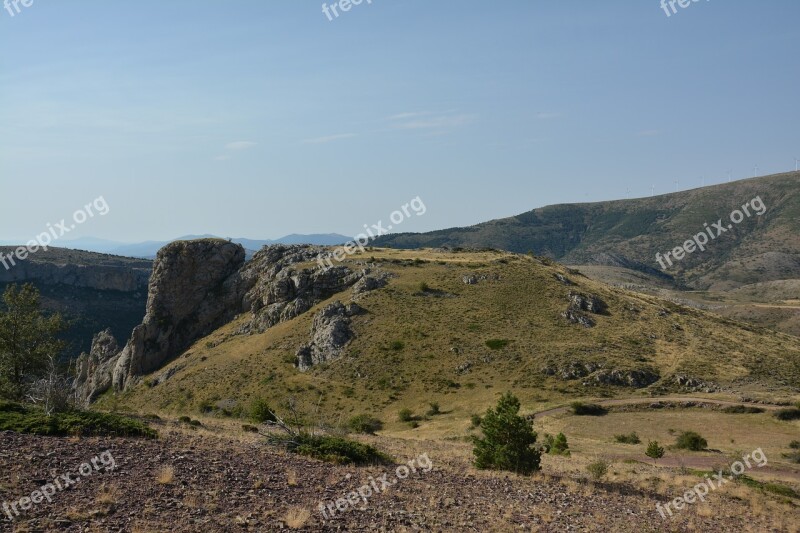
(94, 369)
(580, 304)
(193, 291)
(330, 332)
(198, 286)
(637, 379)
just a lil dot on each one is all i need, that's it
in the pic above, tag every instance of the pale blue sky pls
(260, 118)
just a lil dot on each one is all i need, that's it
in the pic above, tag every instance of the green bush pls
(260, 411)
(795, 445)
(588, 409)
(434, 410)
(406, 415)
(792, 413)
(397, 345)
(558, 445)
(508, 440)
(475, 420)
(497, 344)
(23, 419)
(654, 450)
(689, 440)
(742, 410)
(364, 424)
(249, 429)
(632, 438)
(598, 469)
(337, 450)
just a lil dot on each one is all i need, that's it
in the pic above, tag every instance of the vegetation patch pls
(692, 441)
(588, 409)
(336, 450)
(365, 424)
(631, 438)
(24, 419)
(497, 344)
(742, 410)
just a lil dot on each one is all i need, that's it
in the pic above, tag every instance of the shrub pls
(742, 410)
(632, 438)
(364, 424)
(508, 440)
(792, 413)
(406, 415)
(337, 450)
(795, 445)
(559, 445)
(598, 469)
(588, 409)
(475, 420)
(260, 411)
(434, 410)
(497, 344)
(793, 457)
(689, 440)
(249, 429)
(654, 451)
(21, 419)
(397, 345)
(423, 287)
(206, 406)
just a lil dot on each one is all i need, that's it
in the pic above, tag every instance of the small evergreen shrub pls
(508, 440)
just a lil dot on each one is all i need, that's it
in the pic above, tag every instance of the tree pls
(29, 346)
(508, 440)
(654, 451)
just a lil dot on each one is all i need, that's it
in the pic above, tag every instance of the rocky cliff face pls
(78, 269)
(198, 286)
(193, 290)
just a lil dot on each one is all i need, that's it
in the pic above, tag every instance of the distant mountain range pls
(148, 249)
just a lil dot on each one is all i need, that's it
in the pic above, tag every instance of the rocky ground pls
(196, 481)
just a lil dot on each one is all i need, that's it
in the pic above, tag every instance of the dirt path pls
(635, 401)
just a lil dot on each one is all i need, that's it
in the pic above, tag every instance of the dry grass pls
(291, 478)
(107, 495)
(297, 517)
(166, 476)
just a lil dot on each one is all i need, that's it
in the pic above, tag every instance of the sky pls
(260, 118)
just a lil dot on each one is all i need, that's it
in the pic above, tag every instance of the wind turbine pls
(729, 176)
(755, 172)
(796, 161)
(653, 192)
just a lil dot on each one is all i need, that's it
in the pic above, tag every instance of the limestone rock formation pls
(193, 290)
(330, 332)
(94, 369)
(198, 286)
